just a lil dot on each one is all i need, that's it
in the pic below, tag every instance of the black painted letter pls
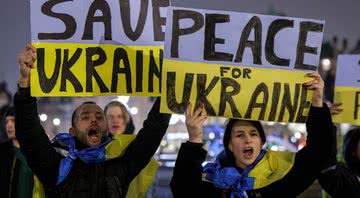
(211, 40)
(121, 54)
(304, 104)
(203, 92)
(47, 84)
(126, 18)
(90, 68)
(66, 74)
(227, 96)
(255, 45)
(287, 104)
(274, 28)
(274, 101)
(306, 27)
(357, 105)
(103, 6)
(261, 88)
(159, 21)
(177, 32)
(172, 103)
(155, 70)
(139, 70)
(69, 22)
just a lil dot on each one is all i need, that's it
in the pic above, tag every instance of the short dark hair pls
(351, 141)
(74, 114)
(227, 134)
(10, 111)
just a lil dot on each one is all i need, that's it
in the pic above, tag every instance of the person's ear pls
(230, 146)
(72, 131)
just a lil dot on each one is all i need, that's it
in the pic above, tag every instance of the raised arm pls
(320, 129)
(188, 167)
(34, 143)
(310, 160)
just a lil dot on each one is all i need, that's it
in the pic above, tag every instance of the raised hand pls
(335, 108)
(194, 122)
(317, 84)
(26, 60)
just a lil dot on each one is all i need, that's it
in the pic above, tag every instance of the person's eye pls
(84, 117)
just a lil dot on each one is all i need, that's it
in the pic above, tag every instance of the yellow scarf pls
(274, 166)
(141, 183)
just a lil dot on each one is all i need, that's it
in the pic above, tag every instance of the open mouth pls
(94, 136)
(248, 152)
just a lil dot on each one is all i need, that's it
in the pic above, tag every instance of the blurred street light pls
(326, 64)
(56, 121)
(43, 117)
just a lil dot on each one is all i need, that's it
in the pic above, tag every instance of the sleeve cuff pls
(23, 92)
(194, 144)
(193, 151)
(319, 110)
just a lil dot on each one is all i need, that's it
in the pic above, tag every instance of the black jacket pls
(308, 163)
(7, 168)
(340, 182)
(107, 179)
(343, 180)
(9, 171)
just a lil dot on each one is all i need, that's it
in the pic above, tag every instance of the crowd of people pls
(101, 157)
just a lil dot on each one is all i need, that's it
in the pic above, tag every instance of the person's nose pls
(9, 125)
(247, 139)
(93, 119)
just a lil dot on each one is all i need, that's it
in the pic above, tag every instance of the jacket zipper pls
(12, 176)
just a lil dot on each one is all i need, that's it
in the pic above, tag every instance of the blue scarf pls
(89, 155)
(229, 177)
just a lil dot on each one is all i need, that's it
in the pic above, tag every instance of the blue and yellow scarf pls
(110, 148)
(90, 155)
(268, 167)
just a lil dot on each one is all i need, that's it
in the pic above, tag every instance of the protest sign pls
(239, 64)
(89, 48)
(347, 89)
